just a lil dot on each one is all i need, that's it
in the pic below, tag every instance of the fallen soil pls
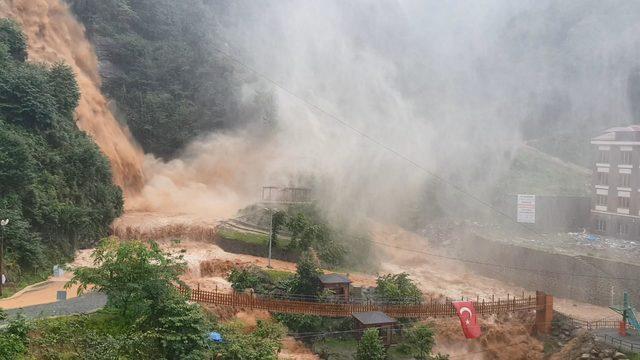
(503, 337)
(436, 275)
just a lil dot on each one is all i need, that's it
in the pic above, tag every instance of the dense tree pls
(370, 346)
(12, 36)
(307, 278)
(55, 185)
(134, 275)
(139, 280)
(397, 288)
(161, 68)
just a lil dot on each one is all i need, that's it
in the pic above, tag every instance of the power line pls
(373, 140)
(361, 133)
(502, 266)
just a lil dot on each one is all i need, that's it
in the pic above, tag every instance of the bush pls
(370, 346)
(307, 278)
(397, 288)
(262, 344)
(140, 280)
(14, 338)
(243, 278)
(421, 340)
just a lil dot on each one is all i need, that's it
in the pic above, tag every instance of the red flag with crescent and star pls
(468, 318)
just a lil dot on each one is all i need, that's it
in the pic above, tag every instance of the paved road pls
(79, 305)
(631, 342)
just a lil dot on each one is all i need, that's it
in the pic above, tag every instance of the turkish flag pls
(468, 318)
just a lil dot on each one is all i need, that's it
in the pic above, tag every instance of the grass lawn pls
(278, 275)
(250, 237)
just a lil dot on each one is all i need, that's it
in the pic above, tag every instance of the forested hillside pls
(55, 185)
(158, 65)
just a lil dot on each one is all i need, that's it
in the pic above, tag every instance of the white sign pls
(526, 209)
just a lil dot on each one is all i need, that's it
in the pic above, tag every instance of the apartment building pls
(615, 207)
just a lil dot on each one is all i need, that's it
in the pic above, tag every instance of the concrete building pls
(615, 209)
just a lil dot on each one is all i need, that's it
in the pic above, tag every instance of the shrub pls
(397, 288)
(421, 340)
(370, 346)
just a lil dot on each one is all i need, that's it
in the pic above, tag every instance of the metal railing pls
(621, 345)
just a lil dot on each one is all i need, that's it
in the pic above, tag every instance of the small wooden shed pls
(376, 319)
(338, 284)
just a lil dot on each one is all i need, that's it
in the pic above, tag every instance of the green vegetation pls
(146, 317)
(249, 237)
(251, 277)
(14, 338)
(397, 288)
(345, 349)
(335, 242)
(370, 346)
(533, 172)
(262, 344)
(420, 340)
(170, 84)
(140, 282)
(306, 280)
(55, 185)
(572, 147)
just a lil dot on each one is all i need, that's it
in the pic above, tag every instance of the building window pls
(622, 228)
(601, 200)
(601, 225)
(603, 178)
(623, 202)
(625, 180)
(603, 157)
(625, 157)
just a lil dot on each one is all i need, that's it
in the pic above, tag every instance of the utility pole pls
(270, 236)
(3, 223)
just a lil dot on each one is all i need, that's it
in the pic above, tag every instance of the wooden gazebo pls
(376, 319)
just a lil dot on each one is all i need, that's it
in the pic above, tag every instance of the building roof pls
(334, 279)
(625, 132)
(373, 318)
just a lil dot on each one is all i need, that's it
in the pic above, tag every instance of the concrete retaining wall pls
(591, 283)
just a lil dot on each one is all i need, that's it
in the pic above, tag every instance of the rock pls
(619, 356)
(585, 356)
(609, 352)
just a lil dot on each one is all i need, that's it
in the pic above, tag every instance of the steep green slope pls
(55, 185)
(158, 65)
(534, 172)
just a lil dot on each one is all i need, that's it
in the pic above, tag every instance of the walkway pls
(424, 310)
(611, 337)
(41, 293)
(79, 305)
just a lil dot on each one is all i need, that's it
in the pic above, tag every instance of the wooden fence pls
(423, 310)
